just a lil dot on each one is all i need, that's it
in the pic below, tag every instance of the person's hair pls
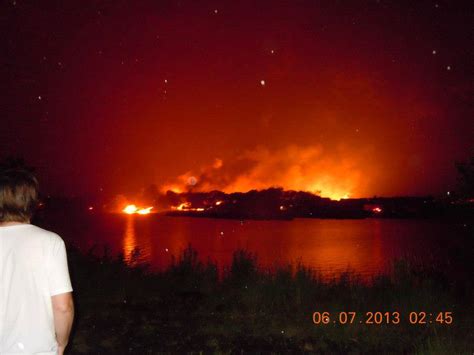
(18, 194)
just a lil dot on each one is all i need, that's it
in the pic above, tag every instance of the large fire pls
(130, 209)
(133, 209)
(186, 206)
(183, 206)
(145, 210)
(293, 168)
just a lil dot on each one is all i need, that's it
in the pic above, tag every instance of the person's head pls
(18, 194)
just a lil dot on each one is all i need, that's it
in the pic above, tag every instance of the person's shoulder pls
(46, 235)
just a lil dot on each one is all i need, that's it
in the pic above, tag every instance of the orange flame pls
(336, 174)
(377, 210)
(186, 206)
(132, 209)
(145, 210)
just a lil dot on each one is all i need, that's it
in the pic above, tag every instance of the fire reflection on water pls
(136, 241)
(130, 251)
(330, 246)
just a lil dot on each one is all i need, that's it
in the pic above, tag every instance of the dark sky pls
(348, 98)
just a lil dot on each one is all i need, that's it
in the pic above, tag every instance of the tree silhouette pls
(466, 177)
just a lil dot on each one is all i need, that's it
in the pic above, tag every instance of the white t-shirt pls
(33, 267)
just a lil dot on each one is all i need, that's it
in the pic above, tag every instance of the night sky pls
(348, 98)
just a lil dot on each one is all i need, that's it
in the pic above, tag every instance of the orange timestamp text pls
(377, 318)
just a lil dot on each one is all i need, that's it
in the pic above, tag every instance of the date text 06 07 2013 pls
(323, 318)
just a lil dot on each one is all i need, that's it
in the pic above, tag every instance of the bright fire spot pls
(345, 197)
(91, 208)
(282, 208)
(130, 209)
(376, 210)
(218, 203)
(144, 210)
(186, 206)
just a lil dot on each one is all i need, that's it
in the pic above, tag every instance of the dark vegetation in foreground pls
(191, 307)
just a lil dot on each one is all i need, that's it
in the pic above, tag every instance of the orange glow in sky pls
(336, 98)
(301, 168)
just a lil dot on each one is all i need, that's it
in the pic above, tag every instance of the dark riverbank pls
(189, 307)
(287, 205)
(276, 204)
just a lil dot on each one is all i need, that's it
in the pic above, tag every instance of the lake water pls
(365, 246)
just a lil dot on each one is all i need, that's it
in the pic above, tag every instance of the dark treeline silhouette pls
(466, 178)
(276, 203)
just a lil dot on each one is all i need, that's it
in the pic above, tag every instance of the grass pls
(191, 307)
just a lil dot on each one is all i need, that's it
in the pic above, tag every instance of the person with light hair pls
(36, 303)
